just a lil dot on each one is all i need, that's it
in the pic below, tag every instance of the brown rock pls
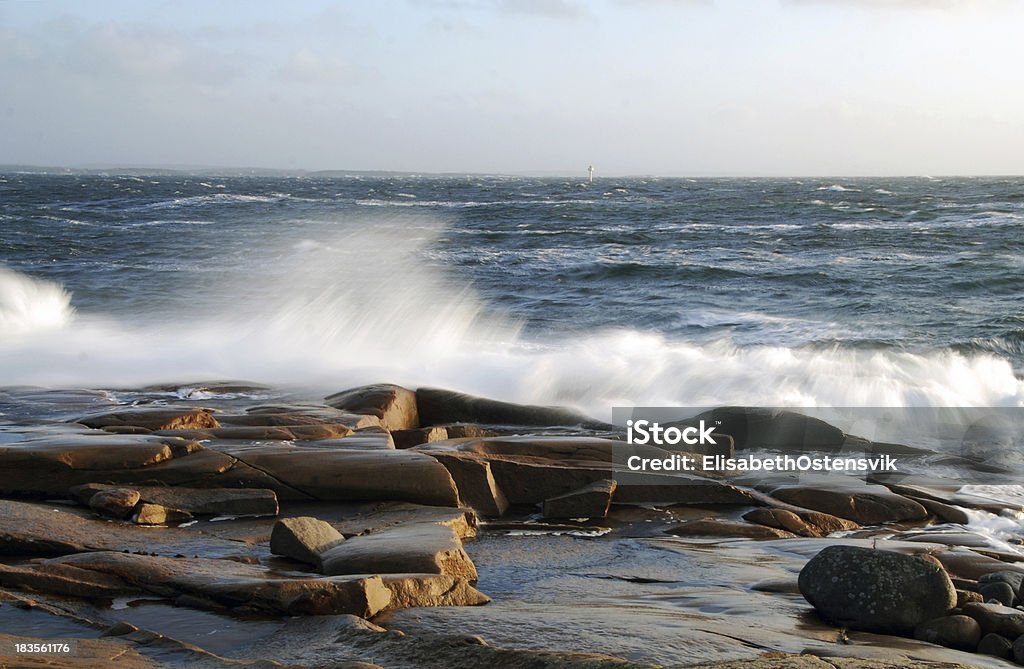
(155, 514)
(960, 632)
(396, 407)
(965, 596)
(417, 590)
(114, 502)
(438, 407)
(996, 619)
(163, 418)
(785, 520)
(710, 527)
(998, 646)
(862, 503)
(29, 529)
(427, 549)
(415, 437)
(231, 584)
(475, 481)
(65, 580)
(303, 538)
(353, 474)
(201, 501)
(947, 513)
(591, 501)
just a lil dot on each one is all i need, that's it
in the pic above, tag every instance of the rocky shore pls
(234, 525)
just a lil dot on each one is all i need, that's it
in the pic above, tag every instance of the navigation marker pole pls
(590, 171)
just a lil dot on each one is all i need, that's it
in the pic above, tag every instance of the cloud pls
(941, 5)
(309, 67)
(552, 9)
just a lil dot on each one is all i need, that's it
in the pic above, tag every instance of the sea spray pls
(29, 305)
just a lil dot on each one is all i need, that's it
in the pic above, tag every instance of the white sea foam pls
(366, 307)
(29, 306)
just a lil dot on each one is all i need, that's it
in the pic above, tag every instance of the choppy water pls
(625, 291)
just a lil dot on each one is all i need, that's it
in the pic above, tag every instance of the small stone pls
(154, 514)
(999, 646)
(965, 596)
(114, 502)
(961, 632)
(303, 538)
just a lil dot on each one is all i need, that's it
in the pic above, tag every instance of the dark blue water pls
(915, 284)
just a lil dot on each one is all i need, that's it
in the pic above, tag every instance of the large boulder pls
(875, 590)
(753, 428)
(395, 406)
(438, 407)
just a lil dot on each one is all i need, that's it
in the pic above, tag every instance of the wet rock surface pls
(296, 531)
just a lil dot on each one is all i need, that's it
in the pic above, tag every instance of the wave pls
(366, 319)
(838, 188)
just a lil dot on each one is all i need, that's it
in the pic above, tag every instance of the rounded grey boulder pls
(875, 590)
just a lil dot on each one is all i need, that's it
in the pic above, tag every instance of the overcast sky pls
(670, 87)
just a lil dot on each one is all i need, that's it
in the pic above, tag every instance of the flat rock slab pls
(943, 490)
(851, 499)
(52, 465)
(590, 501)
(353, 475)
(197, 501)
(162, 418)
(530, 470)
(89, 654)
(29, 529)
(423, 548)
(225, 583)
(349, 518)
(727, 529)
(420, 590)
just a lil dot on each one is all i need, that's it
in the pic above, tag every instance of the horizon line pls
(235, 171)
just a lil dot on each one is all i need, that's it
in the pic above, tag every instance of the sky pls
(658, 87)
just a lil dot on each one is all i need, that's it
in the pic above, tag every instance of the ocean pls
(620, 292)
